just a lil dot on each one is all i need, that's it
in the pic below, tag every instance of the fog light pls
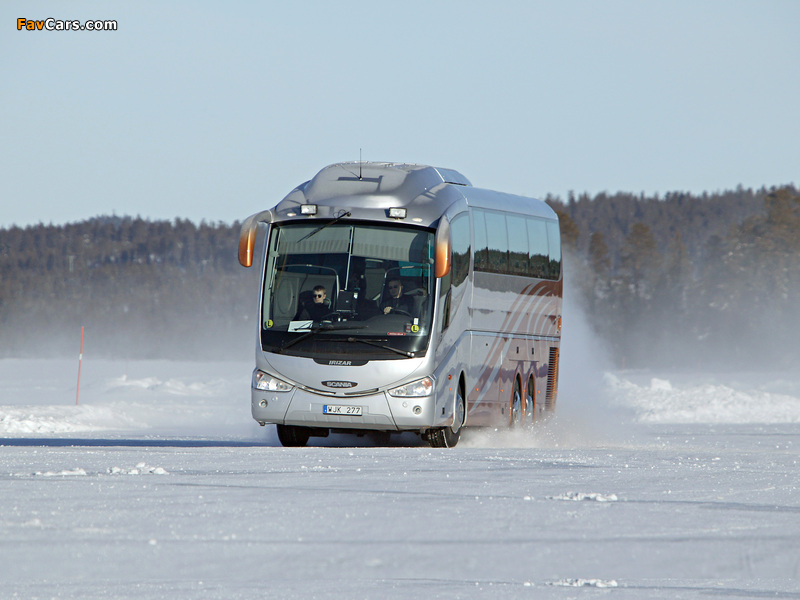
(417, 410)
(308, 209)
(263, 404)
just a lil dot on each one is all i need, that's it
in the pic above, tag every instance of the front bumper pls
(379, 411)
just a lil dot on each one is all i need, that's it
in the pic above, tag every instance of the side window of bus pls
(497, 242)
(517, 245)
(481, 242)
(538, 253)
(554, 239)
(459, 230)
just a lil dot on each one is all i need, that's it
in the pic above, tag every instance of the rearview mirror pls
(443, 253)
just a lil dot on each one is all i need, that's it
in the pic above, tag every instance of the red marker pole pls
(80, 360)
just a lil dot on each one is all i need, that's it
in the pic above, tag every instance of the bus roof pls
(369, 189)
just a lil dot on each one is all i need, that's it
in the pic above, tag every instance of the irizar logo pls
(341, 363)
(339, 384)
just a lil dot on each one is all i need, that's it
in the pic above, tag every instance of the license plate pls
(341, 409)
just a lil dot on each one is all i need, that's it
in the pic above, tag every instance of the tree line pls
(689, 280)
(675, 281)
(141, 288)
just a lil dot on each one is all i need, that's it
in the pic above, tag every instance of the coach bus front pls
(336, 296)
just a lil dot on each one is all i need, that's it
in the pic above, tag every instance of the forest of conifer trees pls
(141, 289)
(676, 281)
(686, 280)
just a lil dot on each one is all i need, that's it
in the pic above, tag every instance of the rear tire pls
(292, 436)
(447, 437)
(530, 403)
(516, 406)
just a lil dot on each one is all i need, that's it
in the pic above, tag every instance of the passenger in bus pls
(365, 307)
(395, 300)
(357, 281)
(319, 308)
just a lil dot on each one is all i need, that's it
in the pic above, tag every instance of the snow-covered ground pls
(159, 484)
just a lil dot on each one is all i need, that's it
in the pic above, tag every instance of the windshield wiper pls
(341, 216)
(315, 330)
(376, 345)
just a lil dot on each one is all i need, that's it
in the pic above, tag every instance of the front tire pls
(447, 437)
(292, 436)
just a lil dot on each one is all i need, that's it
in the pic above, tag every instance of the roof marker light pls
(308, 209)
(397, 213)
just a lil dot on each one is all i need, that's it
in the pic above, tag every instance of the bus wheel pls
(447, 437)
(516, 405)
(292, 436)
(530, 402)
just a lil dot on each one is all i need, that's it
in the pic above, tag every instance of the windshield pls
(348, 290)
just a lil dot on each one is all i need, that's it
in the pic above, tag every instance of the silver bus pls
(399, 298)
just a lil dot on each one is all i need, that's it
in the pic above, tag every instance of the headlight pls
(268, 383)
(415, 389)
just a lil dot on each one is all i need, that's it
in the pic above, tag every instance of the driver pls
(319, 308)
(396, 300)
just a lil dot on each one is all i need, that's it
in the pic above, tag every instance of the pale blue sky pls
(217, 110)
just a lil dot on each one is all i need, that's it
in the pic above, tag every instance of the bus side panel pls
(507, 311)
(488, 378)
(453, 349)
(497, 361)
(507, 373)
(508, 304)
(450, 365)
